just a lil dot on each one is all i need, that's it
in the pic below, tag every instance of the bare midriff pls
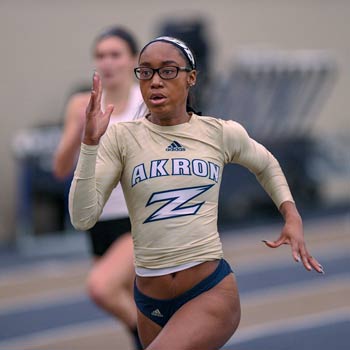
(174, 284)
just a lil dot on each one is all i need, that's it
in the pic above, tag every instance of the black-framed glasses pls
(166, 73)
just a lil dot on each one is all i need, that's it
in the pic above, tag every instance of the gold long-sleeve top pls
(170, 177)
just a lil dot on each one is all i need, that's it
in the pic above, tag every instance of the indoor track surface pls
(43, 303)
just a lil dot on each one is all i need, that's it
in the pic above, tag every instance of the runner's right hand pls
(96, 121)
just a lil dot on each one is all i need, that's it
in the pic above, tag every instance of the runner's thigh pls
(205, 322)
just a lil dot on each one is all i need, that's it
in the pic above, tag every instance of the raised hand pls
(292, 234)
(96, 121)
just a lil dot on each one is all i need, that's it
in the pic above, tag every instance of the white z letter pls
(175, 201)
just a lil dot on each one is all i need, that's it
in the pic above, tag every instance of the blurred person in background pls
(110, 281)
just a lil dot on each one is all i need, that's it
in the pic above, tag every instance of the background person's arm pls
(66, 154)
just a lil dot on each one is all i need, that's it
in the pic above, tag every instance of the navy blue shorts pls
(105, 233)
(160, 310)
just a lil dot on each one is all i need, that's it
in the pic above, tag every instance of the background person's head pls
(166, 92)
(115, 55)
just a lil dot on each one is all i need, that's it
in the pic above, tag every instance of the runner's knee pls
(100, 289)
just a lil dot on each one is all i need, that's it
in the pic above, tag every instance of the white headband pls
(178, 43)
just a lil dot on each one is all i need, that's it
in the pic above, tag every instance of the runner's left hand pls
(293, 235)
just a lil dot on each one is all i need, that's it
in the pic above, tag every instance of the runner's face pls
(165, 97)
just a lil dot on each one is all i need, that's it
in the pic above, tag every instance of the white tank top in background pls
(115, 207)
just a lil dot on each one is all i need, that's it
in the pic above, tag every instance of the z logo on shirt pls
(175, 203)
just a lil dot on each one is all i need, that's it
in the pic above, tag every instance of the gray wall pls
(45, 46)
